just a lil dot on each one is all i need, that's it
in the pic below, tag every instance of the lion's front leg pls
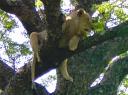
(73, 43)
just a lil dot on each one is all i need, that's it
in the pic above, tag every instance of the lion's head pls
(77, 24)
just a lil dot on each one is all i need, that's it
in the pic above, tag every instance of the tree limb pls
(111, 80)
(86, 67)
(6, 73)
(26, 12)
(52, 57)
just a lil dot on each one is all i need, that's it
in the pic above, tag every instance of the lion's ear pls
(80, 12)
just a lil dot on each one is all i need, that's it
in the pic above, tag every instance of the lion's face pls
(81, 22)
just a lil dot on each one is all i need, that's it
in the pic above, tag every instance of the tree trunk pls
(89, 61)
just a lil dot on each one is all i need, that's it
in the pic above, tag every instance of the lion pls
(75, 27)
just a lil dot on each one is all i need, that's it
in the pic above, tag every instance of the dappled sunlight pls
(122, 87)
(98, 80)
(48, 80)
(66, 7)
(17, 35)
(101, 76)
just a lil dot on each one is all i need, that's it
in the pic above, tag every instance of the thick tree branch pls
(6, 73)
(19, 83)
(25, 11)
(86, 67)
(52, 57)
(112, 79)
(54, 20)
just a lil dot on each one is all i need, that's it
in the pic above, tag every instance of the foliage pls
(12, 49)
(97, 56)
(123, 86)
(109, 14)
(7, 22)
(38, 4)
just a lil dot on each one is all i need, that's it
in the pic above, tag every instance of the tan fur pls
(73, 43)
(75, 27)
(35, 38)
(64, 71)
(78, 23)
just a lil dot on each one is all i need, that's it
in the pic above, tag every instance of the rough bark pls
(20, 83)
(52, 56)
(6, 73)
(26, 12)
(85, 67)
(60, 54)
(54, 59)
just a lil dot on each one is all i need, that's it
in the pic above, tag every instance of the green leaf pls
(38, 3)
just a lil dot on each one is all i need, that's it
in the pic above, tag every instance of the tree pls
(88, 61)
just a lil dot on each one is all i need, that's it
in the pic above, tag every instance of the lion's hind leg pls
(64, 72)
